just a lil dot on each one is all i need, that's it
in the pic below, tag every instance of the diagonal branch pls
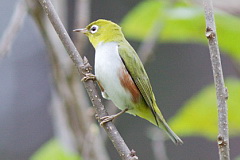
(73, 127)
(84, 67)
(221, 91)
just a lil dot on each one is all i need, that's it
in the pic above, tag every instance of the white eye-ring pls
(94, 29)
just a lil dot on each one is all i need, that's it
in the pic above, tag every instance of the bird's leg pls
(106, 119)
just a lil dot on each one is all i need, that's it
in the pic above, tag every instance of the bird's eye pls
(94, 29)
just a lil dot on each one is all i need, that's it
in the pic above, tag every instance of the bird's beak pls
(82, 30)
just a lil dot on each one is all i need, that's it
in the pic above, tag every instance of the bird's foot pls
(106, 119)
(86, 71)
(88, 76)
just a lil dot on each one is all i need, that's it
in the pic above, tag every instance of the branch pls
(13, 27)
(221, 91)
(84, 67)
(73, 127)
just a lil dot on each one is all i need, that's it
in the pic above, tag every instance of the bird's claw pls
(106, 119)
(86, 71)
(88, 76)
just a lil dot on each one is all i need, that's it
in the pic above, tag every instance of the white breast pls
(107, 66)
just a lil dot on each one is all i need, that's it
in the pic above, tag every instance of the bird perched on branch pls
(121, 75)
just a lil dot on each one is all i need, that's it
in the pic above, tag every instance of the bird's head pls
(102, 31)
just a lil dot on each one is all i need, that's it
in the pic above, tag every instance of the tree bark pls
(221, 90)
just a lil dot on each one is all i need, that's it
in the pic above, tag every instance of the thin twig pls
(84, 67)
(221, 91)
(13, 27)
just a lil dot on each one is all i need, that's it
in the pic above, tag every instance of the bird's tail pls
(155, 116)
(176, 140)
(161, 123)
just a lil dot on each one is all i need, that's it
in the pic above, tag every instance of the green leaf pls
(228, 34)
(53, 150)
(139, 21)
(182, 23)
(198, 117)
(238, 158)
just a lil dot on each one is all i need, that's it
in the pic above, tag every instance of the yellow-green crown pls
(103, 31)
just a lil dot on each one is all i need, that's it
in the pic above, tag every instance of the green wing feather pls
(139, 75)
(136, 70)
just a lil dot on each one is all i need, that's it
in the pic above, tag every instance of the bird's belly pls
(107, 70)
(109, 79)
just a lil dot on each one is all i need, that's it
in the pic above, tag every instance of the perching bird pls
(121, 75)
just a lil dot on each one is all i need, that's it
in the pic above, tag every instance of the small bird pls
(121, 76)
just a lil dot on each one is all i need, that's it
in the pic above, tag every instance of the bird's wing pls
(136, 70)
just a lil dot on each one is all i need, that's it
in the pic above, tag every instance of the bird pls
(121, 76)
